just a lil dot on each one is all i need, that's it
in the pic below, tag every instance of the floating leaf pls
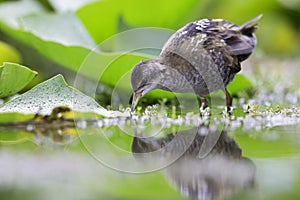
(50, 94)
(13, 78)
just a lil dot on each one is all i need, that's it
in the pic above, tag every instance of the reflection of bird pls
(219, 174)
(201, 57)
(188, 144)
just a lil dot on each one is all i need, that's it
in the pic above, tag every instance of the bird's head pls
(145, 76)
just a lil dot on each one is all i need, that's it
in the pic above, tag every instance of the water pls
(156, 158)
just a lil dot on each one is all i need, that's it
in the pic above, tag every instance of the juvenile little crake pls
(199, 58)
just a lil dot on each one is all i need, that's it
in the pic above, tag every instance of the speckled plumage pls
(201, 57)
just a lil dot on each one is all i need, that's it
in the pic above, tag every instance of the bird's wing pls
(241, 45)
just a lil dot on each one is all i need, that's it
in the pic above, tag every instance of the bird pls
(200, 58)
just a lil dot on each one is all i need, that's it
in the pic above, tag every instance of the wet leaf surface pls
(46, 96)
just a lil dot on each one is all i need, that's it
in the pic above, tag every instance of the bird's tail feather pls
(250, 26)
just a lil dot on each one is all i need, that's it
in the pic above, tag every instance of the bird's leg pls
(204, 109)
(204, 103)
(131, 98)
(228, 101)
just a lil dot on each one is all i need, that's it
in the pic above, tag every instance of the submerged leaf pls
(50, 94)
(13, 78)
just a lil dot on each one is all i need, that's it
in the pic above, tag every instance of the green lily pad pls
(46, 96)
(13, 78)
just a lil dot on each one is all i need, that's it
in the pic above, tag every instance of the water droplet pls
(30, 127)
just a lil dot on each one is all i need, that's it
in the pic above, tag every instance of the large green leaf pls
(11, 12)
(59, 37)
(50, 94)
(66, 42)
(10, 21)
(64, 29)
(13, 78)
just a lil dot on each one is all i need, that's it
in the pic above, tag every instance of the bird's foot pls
(228, 112)
(205, 111)
(229, 109)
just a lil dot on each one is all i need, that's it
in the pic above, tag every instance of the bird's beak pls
(135, 100)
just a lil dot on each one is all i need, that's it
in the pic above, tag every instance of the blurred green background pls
(61, 36)
(278, 33)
